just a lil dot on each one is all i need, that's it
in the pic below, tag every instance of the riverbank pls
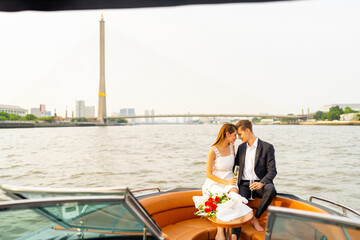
(29, 124)
(332, 123)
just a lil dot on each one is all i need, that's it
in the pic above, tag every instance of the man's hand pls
(256, 185)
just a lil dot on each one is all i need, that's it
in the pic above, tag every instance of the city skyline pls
(251, 58)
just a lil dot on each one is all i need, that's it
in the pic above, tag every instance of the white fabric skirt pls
(213, 187)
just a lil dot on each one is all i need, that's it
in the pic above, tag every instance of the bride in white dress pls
(219, 168)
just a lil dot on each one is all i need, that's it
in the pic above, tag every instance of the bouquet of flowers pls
(209, 208)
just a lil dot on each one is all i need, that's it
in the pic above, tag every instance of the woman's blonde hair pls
(227, 127)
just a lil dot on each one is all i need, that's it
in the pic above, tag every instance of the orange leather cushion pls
(173, 216)
(249, 233)
(168, 201)
(182, 232)
(170, 208)
(201, 223)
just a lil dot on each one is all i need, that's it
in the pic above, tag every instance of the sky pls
(275, 58)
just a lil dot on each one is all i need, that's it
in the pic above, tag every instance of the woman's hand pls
(232, 181)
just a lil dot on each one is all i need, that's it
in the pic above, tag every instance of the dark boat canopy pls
(59, 5)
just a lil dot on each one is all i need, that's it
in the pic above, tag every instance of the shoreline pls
(29, 124)
(46, 125)
(332, 123)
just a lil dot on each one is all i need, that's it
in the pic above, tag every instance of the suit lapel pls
(242, 156)
(258, 151)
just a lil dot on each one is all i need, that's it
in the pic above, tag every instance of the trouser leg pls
(267, 194)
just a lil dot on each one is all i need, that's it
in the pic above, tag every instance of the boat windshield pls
(295, 224)
(24, 192)
(90, 217)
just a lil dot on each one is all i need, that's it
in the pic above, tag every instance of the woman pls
(220, 163)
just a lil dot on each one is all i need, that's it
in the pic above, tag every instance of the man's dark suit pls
(265, 169)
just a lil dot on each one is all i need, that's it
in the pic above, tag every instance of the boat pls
(118, 213)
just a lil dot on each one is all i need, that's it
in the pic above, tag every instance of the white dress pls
(223, 168)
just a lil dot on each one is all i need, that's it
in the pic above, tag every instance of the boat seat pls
(174, 213)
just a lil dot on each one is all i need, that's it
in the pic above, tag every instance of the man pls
(256, 160)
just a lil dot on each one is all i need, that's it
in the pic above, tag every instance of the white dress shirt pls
(249, 167)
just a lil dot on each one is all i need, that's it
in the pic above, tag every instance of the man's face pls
(243, 135)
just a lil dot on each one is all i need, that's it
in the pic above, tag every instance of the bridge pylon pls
(102, 94)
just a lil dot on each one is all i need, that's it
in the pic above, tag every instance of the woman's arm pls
(210, 168)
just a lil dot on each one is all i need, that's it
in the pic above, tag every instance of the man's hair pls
(244, 124)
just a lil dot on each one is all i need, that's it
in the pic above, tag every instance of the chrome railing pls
(344, 208)
(26, 189)
(146, 189)
(13, 188)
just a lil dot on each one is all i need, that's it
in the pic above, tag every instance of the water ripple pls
(311, 160)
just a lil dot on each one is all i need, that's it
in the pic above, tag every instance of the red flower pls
(210, 199)
(217, 199)
(207, 210)
(213, 207)
(208, 203)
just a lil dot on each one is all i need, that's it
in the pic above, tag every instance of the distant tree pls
(4, 114)
(349, 110)
(2, 118)
(334, 113)
(121, 120)
(47, 119)
(324, 116)
(30, 117)
(14, 117)
(288, 119)
(81, 119)
(318, 115)
(256, 120)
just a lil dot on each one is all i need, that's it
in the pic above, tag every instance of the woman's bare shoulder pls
(211, 152)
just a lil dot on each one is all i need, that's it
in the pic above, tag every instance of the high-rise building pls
(127, 112)
(147, 114)
(42, 108)
(123, 112)
(89, 111)
(152, 113)
(36, 112)
(80, 109)
(131, 112)
(41, 111)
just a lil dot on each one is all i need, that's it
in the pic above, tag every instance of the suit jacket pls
(265, 166)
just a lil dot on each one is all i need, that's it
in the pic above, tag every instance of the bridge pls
(102, 116)
(300, 117)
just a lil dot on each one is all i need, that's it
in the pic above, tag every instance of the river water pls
(311, 160)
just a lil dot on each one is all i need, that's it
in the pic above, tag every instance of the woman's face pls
(231, 137)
